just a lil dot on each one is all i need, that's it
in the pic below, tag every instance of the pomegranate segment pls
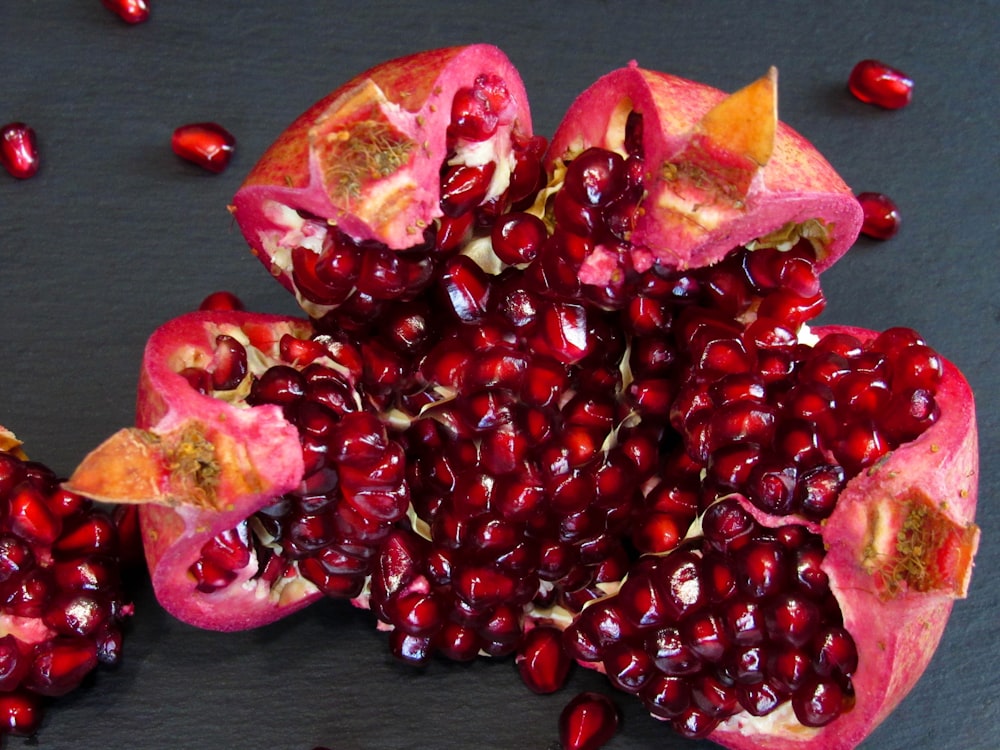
(874, 82)
(726, 171)
(19, 150)
(261, 481)
(62, 604)
(406, 161)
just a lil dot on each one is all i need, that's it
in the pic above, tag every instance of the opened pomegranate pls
(61, 603)
(263, 484)
(595, 367)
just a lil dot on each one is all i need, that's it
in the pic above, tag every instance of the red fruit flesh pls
(19, 150)
(599, 371)
(262, 484)
(874, 82)
(206, 144)
(62, 607)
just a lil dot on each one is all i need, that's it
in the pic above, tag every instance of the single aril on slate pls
(130, 11)
(61, 602)
(207, 144)
(874, 82)
(595, 400)
(881, 216)
(19, 150)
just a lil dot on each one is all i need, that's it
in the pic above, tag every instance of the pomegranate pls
(262, 482)
(595, 367)
(587, 722)
(62, 605)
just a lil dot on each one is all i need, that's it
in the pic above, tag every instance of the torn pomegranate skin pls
(207, 144)
(875, 82)
(19, 150)
(130, 11)
(882, 218)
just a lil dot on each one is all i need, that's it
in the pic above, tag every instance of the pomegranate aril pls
(882, 219)
(875, 82)
(587, 722)
(463, 187)
(130, 11)
(206, 144)
(542, 661)
(19, 150)
(59, 665)
(518, 238)
(20, 713)
(595, 177)
(818, 702)
(221, 300)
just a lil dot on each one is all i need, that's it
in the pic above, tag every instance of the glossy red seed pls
(130, 11)
(20, 713)
(881, 216)
(542, 661)
(587, 722)
(874, 82)
(221, 300)
(19, 150)
(206, 144)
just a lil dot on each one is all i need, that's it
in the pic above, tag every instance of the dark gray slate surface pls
(115, 235)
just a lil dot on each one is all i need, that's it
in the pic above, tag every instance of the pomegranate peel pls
(731, 173)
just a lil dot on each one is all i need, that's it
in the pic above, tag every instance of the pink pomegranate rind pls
(199, 465)
(367, 157)
(720, 180)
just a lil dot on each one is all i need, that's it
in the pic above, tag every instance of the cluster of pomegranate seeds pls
(881, 216)
(874, 82)
(206, 144)
(587, 722)
(60, 594)
(353, 488)
(19, 150)
(130, 11)
(738, 619)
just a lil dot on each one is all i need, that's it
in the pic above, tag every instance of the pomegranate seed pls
(221, 300)
(542, 661)
(587, 722)
(206, 144)
(874, 82)
(881, 216)
(463, 187)
(818, 702)
(20, 713)
(130, 11)
(19, 150)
